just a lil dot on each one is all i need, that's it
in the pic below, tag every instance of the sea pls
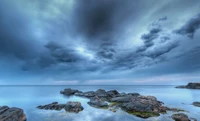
(29, 97)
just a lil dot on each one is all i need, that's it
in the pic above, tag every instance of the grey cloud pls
(190, 27)
(162, 49)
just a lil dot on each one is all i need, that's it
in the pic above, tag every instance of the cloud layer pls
(84, 40)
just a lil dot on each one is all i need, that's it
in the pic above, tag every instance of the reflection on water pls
(28, 97)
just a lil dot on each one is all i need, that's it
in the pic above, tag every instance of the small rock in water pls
(180, 117)
(197, 104)
(11, 114)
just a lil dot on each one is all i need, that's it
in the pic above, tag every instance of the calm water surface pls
(28, 97)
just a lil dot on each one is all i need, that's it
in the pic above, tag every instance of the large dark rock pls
(69, 92)
(190, 86)
(69, 106)
(180, 117)
(113, 93)
(197, 104)
(144, 106)
(101, 93)
(73, 107)
(11, 114)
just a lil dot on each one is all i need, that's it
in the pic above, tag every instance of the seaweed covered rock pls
(144, 106)
(11, 114)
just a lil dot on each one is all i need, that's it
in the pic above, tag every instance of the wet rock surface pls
(97, 103)
(132, 103)
(190, 86)
(69, 106)
(73, 107)
(68, 92)
(11, 114)
(180, 117)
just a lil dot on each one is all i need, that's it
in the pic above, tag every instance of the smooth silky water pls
(29, 97)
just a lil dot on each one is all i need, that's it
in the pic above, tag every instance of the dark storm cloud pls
(104, 20)
(190, 27)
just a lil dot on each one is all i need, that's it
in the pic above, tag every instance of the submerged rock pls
(69, 106)
(190, 86)
(180, 117)
(197, 104)
(11, 114)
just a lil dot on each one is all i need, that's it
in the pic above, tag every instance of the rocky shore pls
(190, 86)
(132, 103)
(11, 114)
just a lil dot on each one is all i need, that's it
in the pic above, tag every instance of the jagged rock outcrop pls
(69, 106)
(11, 114)
(190, 86)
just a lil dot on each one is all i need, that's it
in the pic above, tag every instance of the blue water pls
(28, 97)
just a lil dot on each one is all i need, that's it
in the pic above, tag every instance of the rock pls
(113, 93)
(180, 117)
(197, 104)
(73, 107)
(11, 114)
(123, 99)
(190, 86)
(98, 103)
(134, 94)
(69, 92)
(69, 106)
(101, 93)
(144, 106)
(52, 106)
(176, 110)
(182, 86)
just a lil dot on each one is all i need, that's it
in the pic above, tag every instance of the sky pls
(99, 42)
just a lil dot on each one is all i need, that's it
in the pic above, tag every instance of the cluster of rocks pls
(190, 86)
(133, 103)
(11, 114)
(69, 106)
